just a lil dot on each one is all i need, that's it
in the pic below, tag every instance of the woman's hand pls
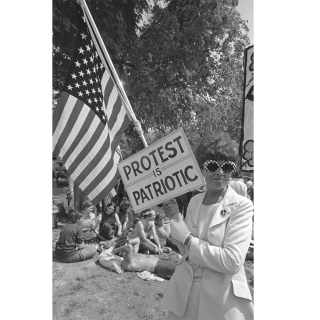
(179, 229)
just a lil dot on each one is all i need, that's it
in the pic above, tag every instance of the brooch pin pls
(223, 213)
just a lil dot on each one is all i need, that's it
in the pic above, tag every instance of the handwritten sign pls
(164, 170)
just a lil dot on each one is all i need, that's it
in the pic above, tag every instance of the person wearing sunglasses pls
(209, 281)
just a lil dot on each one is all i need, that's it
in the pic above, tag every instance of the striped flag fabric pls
(90, 118)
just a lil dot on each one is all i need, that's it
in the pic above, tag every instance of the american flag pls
(90, 118)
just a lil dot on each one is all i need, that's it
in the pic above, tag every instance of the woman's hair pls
(146, 213)
(159, 216)
(217, 147)
(111, 204)
(87, 204)
(237, 175)
(74, 216)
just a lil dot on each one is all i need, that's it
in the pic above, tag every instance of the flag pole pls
(136, 123)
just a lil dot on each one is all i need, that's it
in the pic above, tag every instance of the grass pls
(86, 290)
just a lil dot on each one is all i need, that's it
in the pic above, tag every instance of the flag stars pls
(84, 83)
(88, 47)
(80, 94)
(91, 43)
(99, 90)
(77, 85)
(84, 36)
(81, 50)
(87, 92)
(89, 101)
(69, 87)
(84, 19)
(91, 81)
(94, 69)
(91, 59)
(81, 73)
(96, 53)
(95, 100)
(101, 65)
(103, 117)
(77, 64)
(85, 61)
(96, 79)
(73, 76)
(97, 109)
(93, 91)
(88, 71)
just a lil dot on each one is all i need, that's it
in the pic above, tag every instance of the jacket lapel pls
(225, 208)
(195, 211)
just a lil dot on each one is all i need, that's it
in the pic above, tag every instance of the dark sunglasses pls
(212, 166)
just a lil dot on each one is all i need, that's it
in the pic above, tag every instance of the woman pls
(89, 222)
(70, 247)
(210, 280)
(110, 223)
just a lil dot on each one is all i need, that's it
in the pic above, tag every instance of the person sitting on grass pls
(110, 224)
(164, 267)
(89, 222)
(163, 230)
(144, 229)
(70, 246)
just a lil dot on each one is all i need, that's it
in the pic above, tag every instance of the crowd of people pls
(210, 228)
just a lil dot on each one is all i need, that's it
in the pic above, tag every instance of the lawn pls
(86, 290)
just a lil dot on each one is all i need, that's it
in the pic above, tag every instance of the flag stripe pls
(92, 161)
(68, 126)
(74, 159)
(83, 154)
(107, 90)
(111, 176)
(59, 110)
(102, 194)
(75, 130)
(79, 140)
(70, 103)
(106, 162)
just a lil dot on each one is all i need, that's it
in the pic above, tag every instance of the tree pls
(181, 69)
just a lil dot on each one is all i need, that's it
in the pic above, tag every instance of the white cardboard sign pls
(164, 170)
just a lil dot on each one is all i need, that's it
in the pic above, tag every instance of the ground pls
(87, 290)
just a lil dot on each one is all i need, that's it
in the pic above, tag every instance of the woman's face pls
(217, 180)
(89, 209)
(109, 210)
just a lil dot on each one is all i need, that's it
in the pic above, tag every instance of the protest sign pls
(247, 139)
(162, 171)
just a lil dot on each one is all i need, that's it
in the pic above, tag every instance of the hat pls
(249, 184)
(67, 190)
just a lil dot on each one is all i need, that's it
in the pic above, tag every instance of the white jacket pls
(224, 294)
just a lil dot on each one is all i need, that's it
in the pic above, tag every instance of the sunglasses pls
(212, 166)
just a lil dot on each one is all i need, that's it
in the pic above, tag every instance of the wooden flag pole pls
(137, 124)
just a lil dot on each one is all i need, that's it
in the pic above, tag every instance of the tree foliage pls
(181, 69)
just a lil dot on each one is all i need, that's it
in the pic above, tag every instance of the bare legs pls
(128, 249)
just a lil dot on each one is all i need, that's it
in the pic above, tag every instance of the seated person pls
(110, 223)
(132, 217)
(144, 229)
(123, 213)
(70, 246)
(163, 229)
(65, 206)
(89, 223)
(164, 268)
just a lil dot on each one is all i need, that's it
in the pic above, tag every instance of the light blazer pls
(224, 294)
